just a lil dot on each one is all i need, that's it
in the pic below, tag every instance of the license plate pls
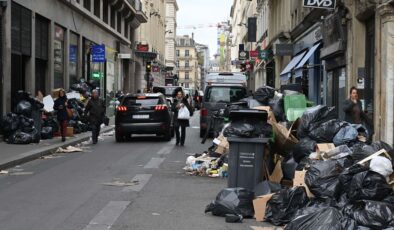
(140, 116)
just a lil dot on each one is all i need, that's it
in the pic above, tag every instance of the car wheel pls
(202, 132)
(119, 137)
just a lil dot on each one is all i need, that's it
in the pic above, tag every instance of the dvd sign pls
(325, 4)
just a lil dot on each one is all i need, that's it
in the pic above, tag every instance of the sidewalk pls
(12, 155)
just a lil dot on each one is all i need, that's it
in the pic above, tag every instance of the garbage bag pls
(381, 165)
(368, 186)
(338, 152)
(263, 94)
(345, 178)
(46, 133)
(236, 201)
(35, 135)
(389, 198)
(239, 129)
(10, 122)
(284, 204)
(250, 103)
(346, 135)
(23, 107)
(304, 148)
(326, 131)
(325, 219)
(278, 108)
(19, 137)
(266, 187)
(52, 122)
(372, 214)
(313, 206)
(361, 150)
(322, 178)
(313, 117)
(288, 168)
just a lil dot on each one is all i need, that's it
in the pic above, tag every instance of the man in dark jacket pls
(96, 110)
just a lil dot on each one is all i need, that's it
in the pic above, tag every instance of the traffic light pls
(148, 67)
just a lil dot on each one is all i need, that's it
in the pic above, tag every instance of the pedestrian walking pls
(95, 109)
(354, 112)
(60, 106)
(180, 102)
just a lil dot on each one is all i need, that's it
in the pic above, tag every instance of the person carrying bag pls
(182, 114)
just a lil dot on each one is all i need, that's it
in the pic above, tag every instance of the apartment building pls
(187, 62)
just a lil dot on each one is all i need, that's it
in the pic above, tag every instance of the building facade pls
(170, 34)
(187, 62)
(203, 62)
(44, 49)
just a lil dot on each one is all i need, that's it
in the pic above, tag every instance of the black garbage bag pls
(361, 150)
(239, 129)
(35, 136)
(347, 135)
(322, 178)
(289, 166)
(390, 198)
(46, 133)
(304, 148)
(26, 124)
(10, 122)
(345, 178)
(313, 206)
(236, 201)
(266, 187)
(23, 108)
(19, 137)
(278, 108)
(372, 214)
(325, 219)
(313, 117)
(325, 132)
(264, 94)
(284, 204)
(369, 185)
(52, 122)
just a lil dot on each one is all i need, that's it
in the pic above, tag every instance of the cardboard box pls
(223, 145)
(277, 174)
(299, 180)
(271, 116)
(259, 205)
(284, 139)
(323, 148)
(70, 131)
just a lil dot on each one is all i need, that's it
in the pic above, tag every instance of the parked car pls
(143, 114)
(216, 97)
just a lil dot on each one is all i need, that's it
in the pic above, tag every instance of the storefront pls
(41, 53)
(58, 49)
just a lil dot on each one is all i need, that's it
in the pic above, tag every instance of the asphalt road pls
(68, 191)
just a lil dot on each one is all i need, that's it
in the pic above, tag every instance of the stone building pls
(187, 62)
(170, 33)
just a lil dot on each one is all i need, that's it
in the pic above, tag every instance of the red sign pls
(142, 48)
(254, 53)
(155, 69)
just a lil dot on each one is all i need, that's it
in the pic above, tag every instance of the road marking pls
(166, 150)
(142, 179)
(107, 216)
(154, 163)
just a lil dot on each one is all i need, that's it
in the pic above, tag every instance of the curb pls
(37, 153)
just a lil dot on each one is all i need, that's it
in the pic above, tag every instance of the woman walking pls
(180, 102)
(62, 116)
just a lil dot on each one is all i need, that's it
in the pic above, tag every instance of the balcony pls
(185, 68)
(140, 15)
(190, 57)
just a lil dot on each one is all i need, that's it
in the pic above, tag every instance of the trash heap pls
(33, 120)
(319, 173)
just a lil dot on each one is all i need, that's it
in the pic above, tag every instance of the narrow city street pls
(68, 191)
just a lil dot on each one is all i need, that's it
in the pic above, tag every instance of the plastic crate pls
(295, 101)
(294, 113)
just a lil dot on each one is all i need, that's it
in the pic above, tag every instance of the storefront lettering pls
(330, 4)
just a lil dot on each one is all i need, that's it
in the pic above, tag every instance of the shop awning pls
(287, 70)
(306, 58)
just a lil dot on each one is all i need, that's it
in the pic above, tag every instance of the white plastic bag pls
(183, 113)
(381, 165)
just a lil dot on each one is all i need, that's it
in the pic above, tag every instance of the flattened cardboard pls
(277, 174)
(323, 148)
(259, 205)
(271, 116)
(284, 139)
(299, 180)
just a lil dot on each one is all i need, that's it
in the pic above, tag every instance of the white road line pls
(154, 163)
(142, 179)
(107, 216)
(166, 150)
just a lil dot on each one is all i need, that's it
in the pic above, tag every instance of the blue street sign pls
(98, 53)
(73, 53)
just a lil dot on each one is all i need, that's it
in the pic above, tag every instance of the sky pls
(202, 13)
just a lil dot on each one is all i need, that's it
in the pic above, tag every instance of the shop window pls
(58, 46)
(41, 50)
(73, 58)
(21, 29)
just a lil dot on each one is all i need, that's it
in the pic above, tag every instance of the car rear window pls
(132, 101)
(170, 90)
(225, 94)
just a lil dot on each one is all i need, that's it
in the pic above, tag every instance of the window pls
(187, 53)
(186, 75)
(97, 8)
(119, 23)
(224, 94)
(126, 29)
(186, 63)
(113, 16)
(86, 4)
(186, 85)
(105, 11)
(177, 63)
(177, 53)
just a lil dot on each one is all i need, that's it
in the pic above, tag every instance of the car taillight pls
(160, 107)
(204, 112)
(122, 108)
